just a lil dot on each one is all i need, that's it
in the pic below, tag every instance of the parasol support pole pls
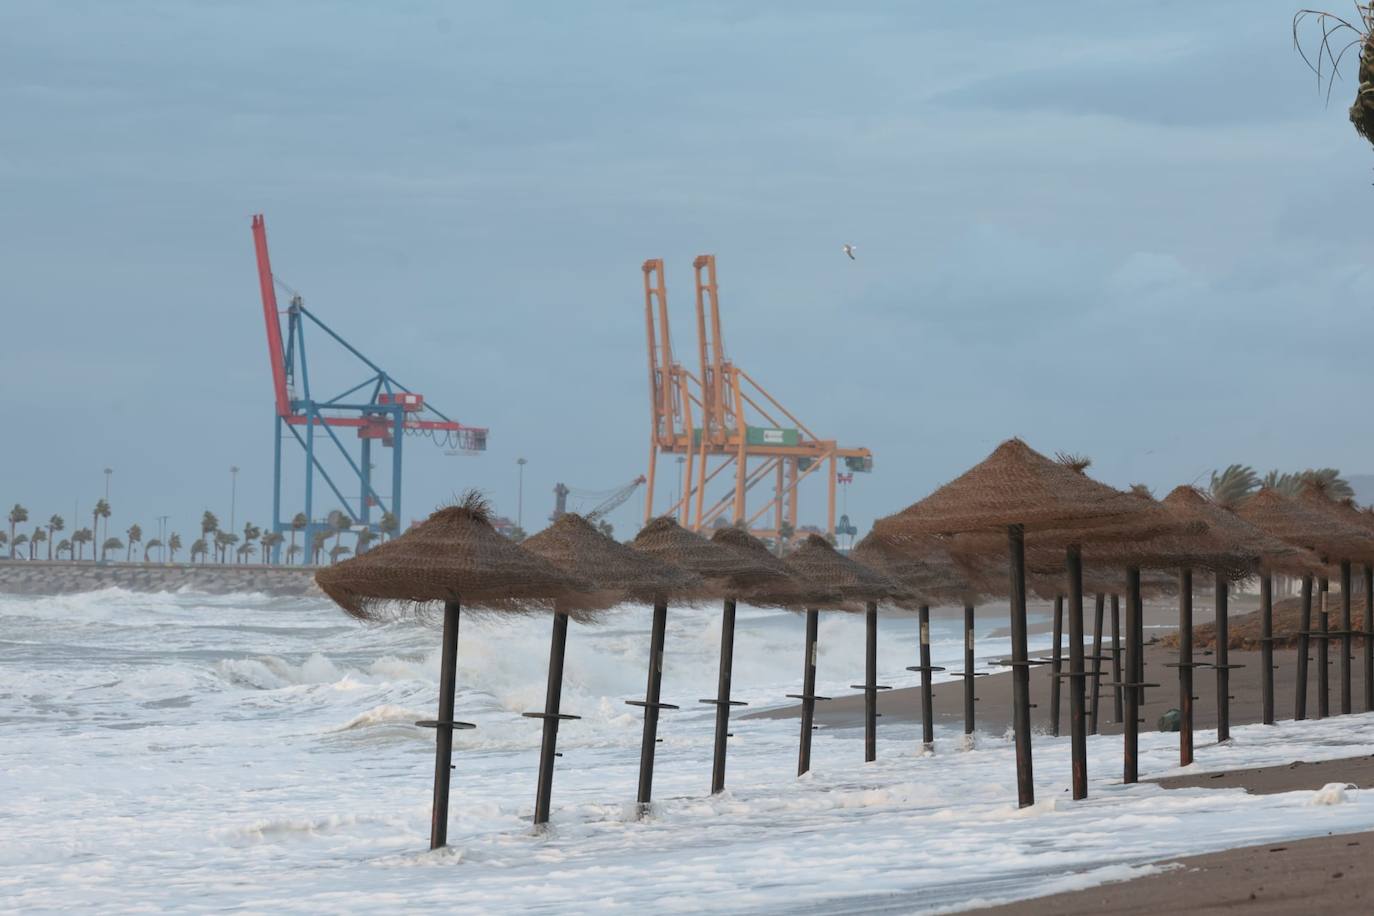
(1020, 672)
(1096, 703)
(1323, 652)
(723, 701)
(649, 742)
(1117, 679)
(1077, 726)
(808, 694)
(871, 682)
(1056, 663)
(1267, 647)
(926, 669)
(1345, 638)
(443, 727)
(1131, 748)
(553, 698)
(969, 679)
(1185, 666)
(1368, 637)
(1304, 641)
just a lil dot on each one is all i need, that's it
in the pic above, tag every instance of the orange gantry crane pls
(724, 425)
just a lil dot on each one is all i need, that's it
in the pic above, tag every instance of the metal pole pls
(1020, 671)
(1267, 647)
(871, 682)
(398, 439)
(969, 698)
(1056, 663)
(1345, 638)
(1323, 654)
(553, 697)
(233, 497)
(1131, 750)
(1077, 727)
(927, 701)
(1096, 707)
(723, 701)
(1368, 637)
(309, 552)
(520, 494)
(1304, 640)
(443, 734)
(276, 486)
(1117, 715)
(1185, 666)
(808, 694)
(652, 705)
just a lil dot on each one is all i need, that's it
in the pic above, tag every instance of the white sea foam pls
(179, 750)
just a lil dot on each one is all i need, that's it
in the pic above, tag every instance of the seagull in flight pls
(849, 250)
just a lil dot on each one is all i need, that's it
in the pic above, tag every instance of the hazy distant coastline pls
(41, 577)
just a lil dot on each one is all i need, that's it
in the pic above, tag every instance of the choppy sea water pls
(198, 752)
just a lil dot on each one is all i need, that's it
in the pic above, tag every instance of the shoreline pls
(67, 577)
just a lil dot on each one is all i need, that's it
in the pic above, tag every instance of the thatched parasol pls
(1267, 554)
(453, 556)
(1020, 490)
(1362, 518)
(724, 572)
(1300, 523)
(928, 575)
(617, 574)
(765, 580)
(1315, 495)
(835, 582)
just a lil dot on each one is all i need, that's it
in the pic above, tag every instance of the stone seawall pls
(41, 577)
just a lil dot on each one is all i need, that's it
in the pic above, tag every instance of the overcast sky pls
(1128, 231)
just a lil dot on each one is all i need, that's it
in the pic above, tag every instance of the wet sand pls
(1327, 874)
(1287, 777)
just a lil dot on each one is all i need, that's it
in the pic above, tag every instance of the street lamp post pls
(520, 494)
(162, 536)
(233, 494)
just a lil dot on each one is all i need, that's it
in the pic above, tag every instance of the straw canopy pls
(770, 582)
(922, 567)
(726, 572)
(615, 571)
(836, 579)
(1195, 543)
(454, 555)
(1297, 523)
(1316, 497)
(1017, 485)
(1270, 553)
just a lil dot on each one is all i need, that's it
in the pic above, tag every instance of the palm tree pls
(338, 550)
(298, 523)
(223, 541)
(150, 547)
(199, 547)
(101, 510)
(110, 544)
(338, 523)
(62, 545)
(4, 539)
(135, 534)
(785, 532)
(208, 526)
(81, 537)
(365, 537)
(388, 526)
(173, 545)
(606, 528)
(17, 514)
(245, 552)
(55, 524)
(251, 533)
(19, 541)
(317, 544)
(270, 541)
(1233, 486)
(1328, 480)
(40, 534)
